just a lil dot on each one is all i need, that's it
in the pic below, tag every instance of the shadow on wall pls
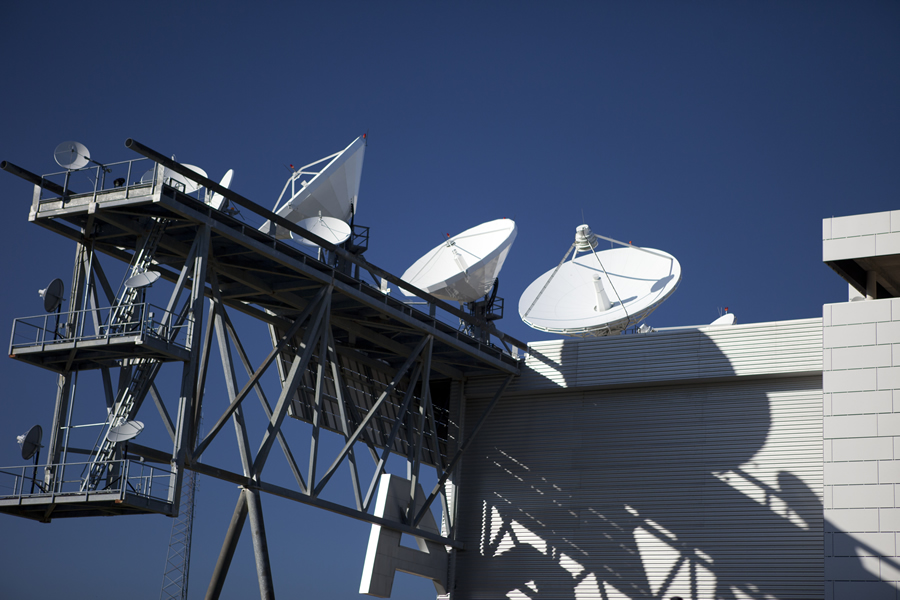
(856, 567)
(694, 490)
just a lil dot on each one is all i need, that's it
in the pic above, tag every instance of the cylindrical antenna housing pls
(585, 240)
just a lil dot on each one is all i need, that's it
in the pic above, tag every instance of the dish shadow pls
(642, 493)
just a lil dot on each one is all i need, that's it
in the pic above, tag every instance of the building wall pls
(645, 466)
(861, 404)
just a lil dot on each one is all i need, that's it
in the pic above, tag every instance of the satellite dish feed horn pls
(603, 302)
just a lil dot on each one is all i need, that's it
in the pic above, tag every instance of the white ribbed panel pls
(782, 347)
(701, 490)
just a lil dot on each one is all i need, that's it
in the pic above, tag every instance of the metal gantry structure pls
(350, 359)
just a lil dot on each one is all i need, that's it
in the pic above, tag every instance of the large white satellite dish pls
(328, 228)
(600, 293)
(464, 267)
(217, 200)
(331, 192)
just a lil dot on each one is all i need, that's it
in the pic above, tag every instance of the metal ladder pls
(123, 312)
(145, 368)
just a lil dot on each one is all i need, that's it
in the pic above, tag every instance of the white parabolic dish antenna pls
(464, 267)
(216, 200)
(125, 431)
(332, 192)
(71, 155)
(600, 293)
(328, 228)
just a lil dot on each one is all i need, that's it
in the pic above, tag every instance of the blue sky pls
(721, 133)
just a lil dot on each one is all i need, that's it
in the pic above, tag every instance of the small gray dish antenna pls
(72, 156)
(141, 280)
(52, 295)
(31, 442)
(124, 432)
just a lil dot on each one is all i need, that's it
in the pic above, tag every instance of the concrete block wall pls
(860, 236)
(861, 395)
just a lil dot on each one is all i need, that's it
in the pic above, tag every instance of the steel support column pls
(232, 536)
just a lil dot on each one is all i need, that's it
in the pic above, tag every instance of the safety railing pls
(136, 177)
(121, 477)
(108, 323)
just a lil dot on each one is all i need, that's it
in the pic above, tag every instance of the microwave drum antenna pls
(52, 295)
(31, 442)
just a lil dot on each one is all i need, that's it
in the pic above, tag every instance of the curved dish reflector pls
(124, 432)
(726, 319)
(328, 228)
(332, 192)
(71, 156)
(142, 279)
(190, 186)
(218, 200)
(464, 267)
(571, 301)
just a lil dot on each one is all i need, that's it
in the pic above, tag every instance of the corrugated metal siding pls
(782, 347)
(700, 490)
